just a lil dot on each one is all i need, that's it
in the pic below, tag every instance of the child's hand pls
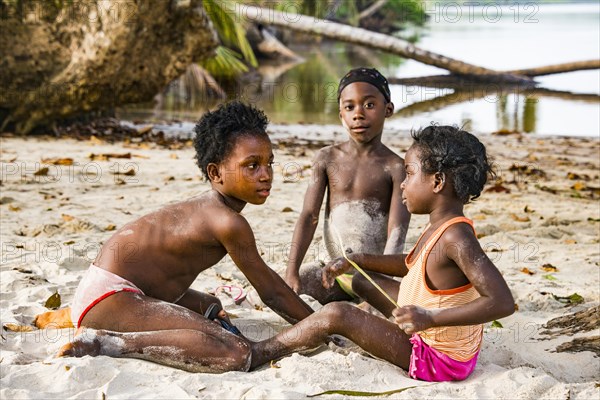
(334, 269)
(412, 319)
(293, 281)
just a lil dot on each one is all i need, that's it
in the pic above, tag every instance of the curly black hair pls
(456, 153)
(217, 131)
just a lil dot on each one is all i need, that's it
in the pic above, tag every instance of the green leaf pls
(549, 277)
(230, 31)
(496, 324)
(364, 394)
(226, 62)
(572, 299)
(53, 301)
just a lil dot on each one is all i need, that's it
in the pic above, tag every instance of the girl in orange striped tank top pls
(449, 286)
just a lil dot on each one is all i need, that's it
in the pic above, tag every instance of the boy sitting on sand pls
(361, 178)
(449, 286)
(135, 300)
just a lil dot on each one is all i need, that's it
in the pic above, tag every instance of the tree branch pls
(372, 9)
(346, 33)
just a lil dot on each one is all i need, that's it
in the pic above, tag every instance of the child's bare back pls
(135, 299)
(164, 251)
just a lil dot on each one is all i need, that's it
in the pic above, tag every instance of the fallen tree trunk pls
(394, 45)
(265, 44)
(403, 48)
(459, 83)
(96, 57)
(557, 68)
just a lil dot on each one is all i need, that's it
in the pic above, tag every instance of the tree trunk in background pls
(93, 56)
(265, 44)
(557, 68)
(390, 44)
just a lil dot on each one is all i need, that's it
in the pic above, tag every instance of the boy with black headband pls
(361, 177)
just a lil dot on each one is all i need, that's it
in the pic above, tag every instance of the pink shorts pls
(96, 285)
(429, 364)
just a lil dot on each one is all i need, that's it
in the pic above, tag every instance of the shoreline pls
(166, 133)
(539, 224)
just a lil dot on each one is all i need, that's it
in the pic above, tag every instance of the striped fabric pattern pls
(461, 343)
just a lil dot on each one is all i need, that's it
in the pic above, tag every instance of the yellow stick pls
(359, 269)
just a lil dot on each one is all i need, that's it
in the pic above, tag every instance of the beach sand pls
(539, 224)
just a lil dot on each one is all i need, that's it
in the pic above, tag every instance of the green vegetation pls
(391, 17)
(232, 35)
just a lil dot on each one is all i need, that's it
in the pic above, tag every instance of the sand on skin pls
(53, 225)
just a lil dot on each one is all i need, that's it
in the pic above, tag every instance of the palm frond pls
(231, 32)
(226, 63)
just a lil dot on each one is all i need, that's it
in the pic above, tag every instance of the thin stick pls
(359, 269)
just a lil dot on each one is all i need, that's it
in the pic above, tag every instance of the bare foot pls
(84, 343)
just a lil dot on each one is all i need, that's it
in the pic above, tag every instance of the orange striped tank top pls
(460, 343)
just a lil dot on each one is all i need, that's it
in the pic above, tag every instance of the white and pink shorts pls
(96, 285)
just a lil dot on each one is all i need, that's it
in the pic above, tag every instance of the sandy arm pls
(388, 264)
(495, 301)
(236, 236)
(399, 216)
(308, 220)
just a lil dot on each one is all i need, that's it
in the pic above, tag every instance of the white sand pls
(52, 227)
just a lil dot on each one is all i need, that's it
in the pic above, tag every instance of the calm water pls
(502, 38)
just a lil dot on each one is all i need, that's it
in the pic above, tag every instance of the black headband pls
(368, 75)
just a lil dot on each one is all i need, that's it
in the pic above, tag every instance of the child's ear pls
(213, 173)
(439, 182)
(389, 109)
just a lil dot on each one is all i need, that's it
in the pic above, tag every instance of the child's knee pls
(335, 311)
(241, 356)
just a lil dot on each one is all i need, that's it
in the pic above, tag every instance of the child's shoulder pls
(391, 162)
(458, 233)
(329, 153)
(330, 149)
(207, 208)
(390, 154)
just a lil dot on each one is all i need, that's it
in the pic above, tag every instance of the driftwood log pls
(93, 58)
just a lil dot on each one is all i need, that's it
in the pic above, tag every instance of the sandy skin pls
(163, 252)
(459, 260)
(563, 228)
(359, 181)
